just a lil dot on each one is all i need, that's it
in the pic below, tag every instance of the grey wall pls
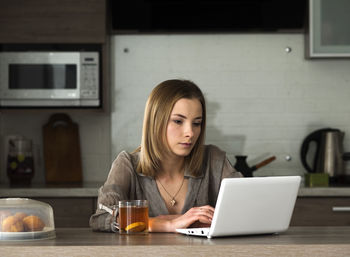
(262, 101)
(94, 130)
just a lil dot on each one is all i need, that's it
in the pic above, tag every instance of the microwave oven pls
(49, 79)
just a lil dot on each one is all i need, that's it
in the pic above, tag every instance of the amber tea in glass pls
(133, 217)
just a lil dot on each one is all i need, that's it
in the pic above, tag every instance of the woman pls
(173, 169)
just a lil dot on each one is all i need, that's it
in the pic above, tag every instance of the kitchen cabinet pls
(71, 212)
(308, 211)
(139, 16)
(52, 21)
(319, 211)
(328, 29)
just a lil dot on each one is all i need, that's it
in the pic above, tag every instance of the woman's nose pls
(189, 130)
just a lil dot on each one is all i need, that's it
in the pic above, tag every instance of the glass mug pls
(133, 217)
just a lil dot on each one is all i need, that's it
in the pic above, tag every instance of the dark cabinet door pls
(52, 21)
(321, 211)
(71, 212)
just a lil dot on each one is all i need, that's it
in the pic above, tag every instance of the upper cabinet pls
(52, 21)
(329, 33)
(177, 16)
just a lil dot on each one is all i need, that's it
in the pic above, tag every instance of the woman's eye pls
(197, 124)
(178, 121)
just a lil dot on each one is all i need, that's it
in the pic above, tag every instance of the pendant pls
(173, 202)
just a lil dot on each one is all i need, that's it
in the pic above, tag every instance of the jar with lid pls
(20, 163)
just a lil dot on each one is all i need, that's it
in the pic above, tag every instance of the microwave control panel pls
(89, 75)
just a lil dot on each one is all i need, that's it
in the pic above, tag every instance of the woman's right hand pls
(202, 215)
(169, 223)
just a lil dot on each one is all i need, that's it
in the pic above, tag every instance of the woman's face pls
(184, 126)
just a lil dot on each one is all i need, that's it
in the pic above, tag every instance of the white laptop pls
(256, 205)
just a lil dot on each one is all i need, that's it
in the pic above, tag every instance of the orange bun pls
(3, 216)
(12, 224)
(20, 215)
(33, 223)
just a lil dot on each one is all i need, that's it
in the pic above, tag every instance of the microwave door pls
(44, 82)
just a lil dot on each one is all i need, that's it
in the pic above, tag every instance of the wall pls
(262, 101)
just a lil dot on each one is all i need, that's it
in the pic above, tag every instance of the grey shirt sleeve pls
(117, 187)
(218, 168)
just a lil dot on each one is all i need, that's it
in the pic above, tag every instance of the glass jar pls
(20, 163)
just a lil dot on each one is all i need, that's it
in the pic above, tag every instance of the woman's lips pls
(186, 144)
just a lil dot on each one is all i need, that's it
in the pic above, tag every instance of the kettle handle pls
(313, 137)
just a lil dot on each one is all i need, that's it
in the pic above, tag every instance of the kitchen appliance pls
(242, 166)
(328, 154)
(20, 162)
(49, 79)
(25, 219)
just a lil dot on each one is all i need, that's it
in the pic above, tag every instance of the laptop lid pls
(256, 205)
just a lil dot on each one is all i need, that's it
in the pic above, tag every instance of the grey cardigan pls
(124, 182)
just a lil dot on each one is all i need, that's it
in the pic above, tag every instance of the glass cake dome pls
(26, 219)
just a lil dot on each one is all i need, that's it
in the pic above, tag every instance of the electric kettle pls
(329, 156)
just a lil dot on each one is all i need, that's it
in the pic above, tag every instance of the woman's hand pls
(169, 223)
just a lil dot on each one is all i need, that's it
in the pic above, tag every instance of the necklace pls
(173, 201)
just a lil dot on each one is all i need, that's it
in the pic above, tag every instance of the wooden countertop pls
(296, 241)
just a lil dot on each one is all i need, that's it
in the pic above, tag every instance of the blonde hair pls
(158, 109)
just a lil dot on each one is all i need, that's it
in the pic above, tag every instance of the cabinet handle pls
(341, 208)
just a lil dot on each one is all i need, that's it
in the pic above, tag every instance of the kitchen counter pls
(91, 189)
(296, 241)
(324, 191)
